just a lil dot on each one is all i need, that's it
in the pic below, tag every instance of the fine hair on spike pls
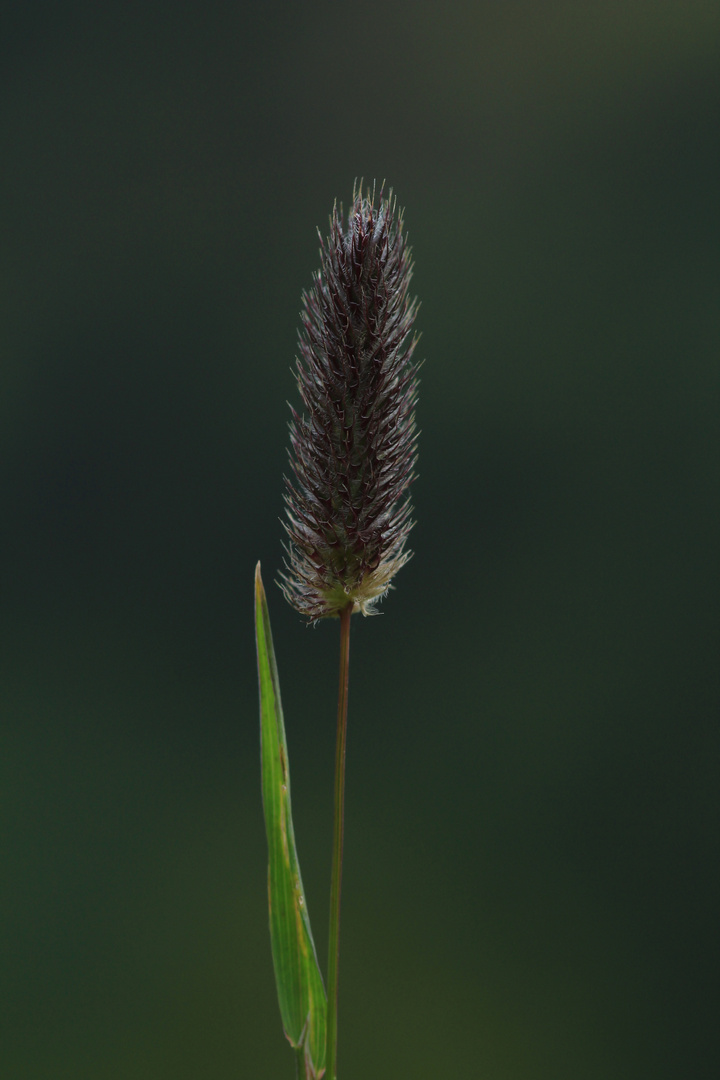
(353, 445)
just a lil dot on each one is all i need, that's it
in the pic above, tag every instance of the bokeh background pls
(531, 886)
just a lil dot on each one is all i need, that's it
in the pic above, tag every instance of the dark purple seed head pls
(353, 449)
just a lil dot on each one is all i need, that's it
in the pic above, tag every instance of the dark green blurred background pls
(531, 887)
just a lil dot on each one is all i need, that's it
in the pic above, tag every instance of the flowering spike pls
(353, 452)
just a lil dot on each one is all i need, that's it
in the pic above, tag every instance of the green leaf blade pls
(301, 994)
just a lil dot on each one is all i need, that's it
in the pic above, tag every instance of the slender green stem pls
(336, 880)
(301, 1072)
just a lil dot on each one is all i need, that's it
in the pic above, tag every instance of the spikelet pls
(353, 451)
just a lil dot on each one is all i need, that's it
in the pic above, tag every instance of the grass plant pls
(353, 452)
